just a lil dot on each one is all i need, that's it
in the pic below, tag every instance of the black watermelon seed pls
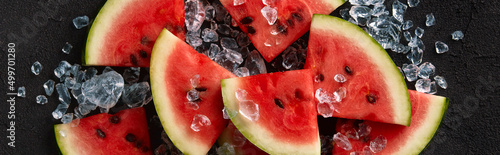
(297, 16)
(201, 89)
(179, 28)
(133, 60)
(299, 94)
(143, 54)
(251, 30)
(282, 28)
(145, 149)
(319, 78)
(246, 20)
(100, 133)
(130, 137)
(289, 22)
(278, 103)
(347, 69)
(114, 119)
(371, 98)
(138, 144)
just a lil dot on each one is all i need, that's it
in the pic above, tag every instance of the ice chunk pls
(423, 85)
(379, 10)
(398, 10)
(290, 59)
(386, 30)
(60, 111)
(200, 121)
(410, 71)
(86, 108)
(193, 95)
(416, 42)
(220, 12)
(228, 113)
(433, 88)
(70, 83)
(36, 68)
(90, 73)
(66, 118)
(228, 43)
(224, 29)
(21, 91)
(419, 32)
(41, 99)
(415, 56)
(377, 2)
(378, 144)
(323, 96)
(63, 92)
(209, 35)
(192, 105)
(136, 95)
(193, 40)
(457, 35)
(241, 94)
(360, 2)
(407, 35)
(209, 13)
(255, 63)
(67, 48)
(342, 141)
(131, 75)
(226, 149)
(425, 70)
(243, 40)
(325, 109)
(74, 69)
(194, 14)
(430, 20)
(81, 21)
(441, 47)
(407, 25)
(242, 72)
(339, 78)
(233, 56)
(363, 130)
(340, 94)
(441, 82)
(49, 87)
(271, 14)
(195, 81)
(400, 48)
(238, 2)
(104, 90)
(62, 68)
(212, 51)
(413, 3)
(249, 109)
(361, 14)
(344, 13)
(80, 99)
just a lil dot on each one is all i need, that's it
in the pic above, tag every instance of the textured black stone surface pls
(40, 28)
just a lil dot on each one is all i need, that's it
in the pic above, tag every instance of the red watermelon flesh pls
(241, 145)
(124, 31)
(125, 132)
(345, 59)
(276, 111)
(174, 65)
(292, 21)
(427, 112)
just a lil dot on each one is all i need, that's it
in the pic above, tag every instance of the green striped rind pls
(393, 79)
(423, 135)
(163, 47)
(260, 136)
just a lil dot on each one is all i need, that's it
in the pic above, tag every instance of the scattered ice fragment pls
(415, 55)
(104, 90)
(325, 109)
(255, 63)
(192, 40)
(224, 29)
(199, 121)
(85, 109)
(433, 88)
(233, 56)
(228, 43)
(413, 3)
(243, 40)
(195, 81)
(378, 144)
(209, 35)
(344, 13)
(241, 94)
(21, 91)
(62, 68)
(430, 20)
(212, 51)
(386, 30)
(457, 35)
(339, 78)
(410, 72)
(49, 87)
(400, 48)
(290, 59)
(228, 113)
(398, 10)
(361, 14)
(377, 2)
(441, 47)
(192, 105)
(419, 32)
(226, 149)
(342, 141)
(242, 72)
(136, 95)
(193, 95)
(425, 70)
(75, 68)
(41, 99)
(441, 82)
(90, 73)
(249, 109)
(238, 2)
(360, 2)
(63, 93)
(323, 96)
(81, 21)
(364, 130)
(423, 85)
(271, 14)
(131, 75)
(194, 14)
(340, 94)
(209, 13)
(36, 68)
(407, 25)
(220, 12)
(70, 83)
(60, 111)
(80, 99)
(407, 35)
(67, 48)
(66, 118)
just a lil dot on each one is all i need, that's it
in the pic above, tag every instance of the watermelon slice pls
(124, 31)
(427, 113)
(125, 132)
(354, 76)
(186, 91)
(275, 111)
(291, 21)
(241, 145)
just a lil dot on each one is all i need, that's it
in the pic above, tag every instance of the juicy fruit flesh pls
(87, 135)
(427, 112)
(174, 63)
(129, 40)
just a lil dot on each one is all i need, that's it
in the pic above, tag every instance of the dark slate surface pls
(40, 28)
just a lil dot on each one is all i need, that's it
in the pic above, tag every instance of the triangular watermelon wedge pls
(187, 95)
(427, 113)
(124, 31)
(291, 21)
(274, 111)
(354, 76)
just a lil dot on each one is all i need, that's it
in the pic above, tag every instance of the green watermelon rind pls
(396, 81)
(253, 132)
(62, 141)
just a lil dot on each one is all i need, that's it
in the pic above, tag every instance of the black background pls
(471, 68)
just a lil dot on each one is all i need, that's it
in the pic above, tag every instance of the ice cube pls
(49, 87)
(249, 109)
(255, 63)
(75, 68)
(200, 121)
(413, 3)
(271, 14)
(407, 35)
(77, 92)
(41, 99)
(425, 70)
(379, 10)
(192, 105)
(63, 92)
(433, 88)
(194, 14)
(342, 141)
(209, 13)
(67, 48)
(430, 20)
(344, 13)
(90, 73)
(193, 95)
(441, 82)
(228, 113)
(62, 68)
(400, 48)
(410, 71)
(441, 47)
(419, 32)
(131, 75)
(398, 10)
(67, 118)
(212, 51)
(228, 43)
(361, 14)
(85, 109)
(378, 144)
(136, 95)
(340, 94)
(457, 35)
(325, 109)
(194, 41)
(238, 2)
(36, 68)
(242, 72)
(104, 90)
(60, 111)
(360, 2)
(81, 21)
(243, 40)
(226, 149)
(80, 99)
(415, 56)
(220, 12)
(363, 130)
(209, 35)
(407, 25)
(224, 29)
(339, 78)
(233, 56)
(377, 2)
(290, 59)
(323, 96)
(423, 85)
(21, 91)
(195, 81)
(241, 94)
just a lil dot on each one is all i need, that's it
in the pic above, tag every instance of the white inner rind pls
(392, 78)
